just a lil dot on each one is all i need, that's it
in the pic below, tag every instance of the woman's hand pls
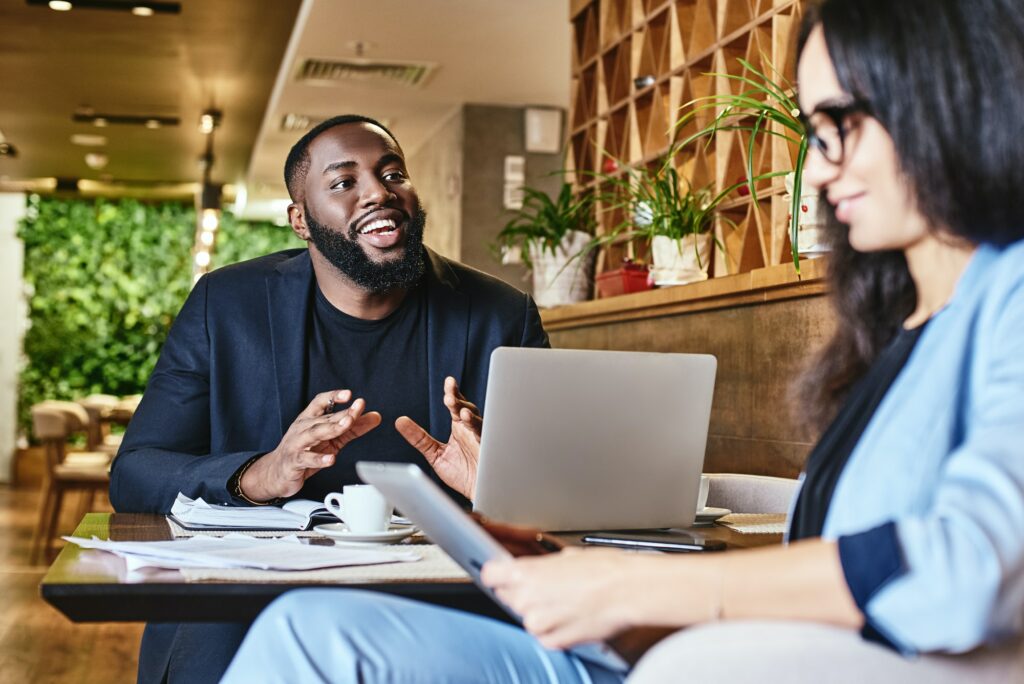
(581, 595)
(569, 597)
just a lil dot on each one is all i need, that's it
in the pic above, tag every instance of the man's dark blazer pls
(229, 381)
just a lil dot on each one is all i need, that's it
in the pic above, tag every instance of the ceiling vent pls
(297, 123)
(331, 72)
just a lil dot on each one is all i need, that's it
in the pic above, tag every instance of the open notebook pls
(297, 514)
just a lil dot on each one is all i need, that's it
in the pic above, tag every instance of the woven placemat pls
(755, 523)
(434, 566)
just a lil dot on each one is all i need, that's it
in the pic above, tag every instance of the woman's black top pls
(828, 459)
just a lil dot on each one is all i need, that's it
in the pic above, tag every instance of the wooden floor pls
(38, 644)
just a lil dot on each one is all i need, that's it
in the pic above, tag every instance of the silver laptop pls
(594, 440)
(419, 499)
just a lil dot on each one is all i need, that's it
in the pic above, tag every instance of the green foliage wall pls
(105, 280)
(240, 240)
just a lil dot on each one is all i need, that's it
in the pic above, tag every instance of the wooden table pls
(91, 586)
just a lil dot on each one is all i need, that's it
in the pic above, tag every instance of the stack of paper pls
(241, 551)
(293, 515)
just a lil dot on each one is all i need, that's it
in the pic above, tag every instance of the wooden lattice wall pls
(678, 43)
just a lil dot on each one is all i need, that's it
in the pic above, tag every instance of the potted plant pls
(675, 219)
(764, 102)
(555, 239)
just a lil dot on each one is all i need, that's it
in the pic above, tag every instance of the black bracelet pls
(235, 484)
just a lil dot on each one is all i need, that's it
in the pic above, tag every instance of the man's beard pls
(347, 255)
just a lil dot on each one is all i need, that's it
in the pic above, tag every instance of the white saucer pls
(711, 514)
(341, 532)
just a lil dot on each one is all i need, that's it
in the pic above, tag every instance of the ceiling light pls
(87, 115)
(202, 259)
(8, 150)
(87, 140)
(241, 199)
(208, 121)
(211, 220)
(141, 8)
(96, 160)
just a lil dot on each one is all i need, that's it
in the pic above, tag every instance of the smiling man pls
(281, 373)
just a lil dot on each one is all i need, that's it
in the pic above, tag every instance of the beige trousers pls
(737, 652)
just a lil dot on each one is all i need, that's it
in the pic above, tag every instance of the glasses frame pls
(837, 114)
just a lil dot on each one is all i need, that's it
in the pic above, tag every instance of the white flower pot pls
(556, 280)
(811, 220)
(675, 262)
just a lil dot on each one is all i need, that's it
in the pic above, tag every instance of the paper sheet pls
(755, 523)
(436, 566)
(241, 551)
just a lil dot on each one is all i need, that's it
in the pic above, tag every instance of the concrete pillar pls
(12, 325)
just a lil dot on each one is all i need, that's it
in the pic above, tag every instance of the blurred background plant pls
(104, 280)
(544, 224)
(658, 201)
(764, 105)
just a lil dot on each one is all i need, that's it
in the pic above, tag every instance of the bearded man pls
(280, 373)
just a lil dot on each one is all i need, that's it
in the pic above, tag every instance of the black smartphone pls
(654, 542)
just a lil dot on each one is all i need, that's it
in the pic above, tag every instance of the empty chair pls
(123, 411)
(100, 407)
(743, 493)
(88, 472)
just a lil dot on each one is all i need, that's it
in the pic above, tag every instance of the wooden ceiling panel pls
(220, 53)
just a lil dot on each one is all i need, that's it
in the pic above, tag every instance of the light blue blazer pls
(943, 459)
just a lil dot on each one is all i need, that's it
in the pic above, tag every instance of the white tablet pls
(448, 526)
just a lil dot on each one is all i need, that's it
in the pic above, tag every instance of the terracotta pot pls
(628, 278)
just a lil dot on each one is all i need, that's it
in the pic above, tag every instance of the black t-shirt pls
(829, 457)
(385, 363)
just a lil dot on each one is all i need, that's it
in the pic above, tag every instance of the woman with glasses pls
(905, 554)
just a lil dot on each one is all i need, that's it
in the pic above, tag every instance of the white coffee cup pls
(362, 508)
(702, 493)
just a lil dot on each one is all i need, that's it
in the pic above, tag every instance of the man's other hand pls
(454, 462)
(311, 443)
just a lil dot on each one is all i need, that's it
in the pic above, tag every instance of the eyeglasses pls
(828, 126)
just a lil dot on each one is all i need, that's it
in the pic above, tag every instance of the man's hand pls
(311, 443)
(456, 461)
